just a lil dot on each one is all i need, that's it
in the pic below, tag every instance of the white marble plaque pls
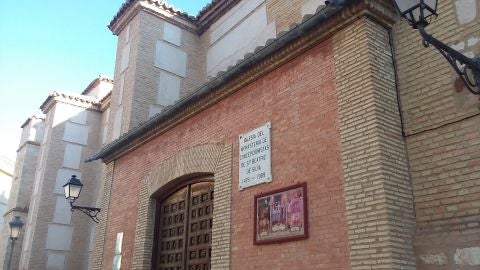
(254, 163)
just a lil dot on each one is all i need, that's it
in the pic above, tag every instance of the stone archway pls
(202, 159)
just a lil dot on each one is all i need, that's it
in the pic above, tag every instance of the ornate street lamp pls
(15, 227)
(72, 191)
(418, 14)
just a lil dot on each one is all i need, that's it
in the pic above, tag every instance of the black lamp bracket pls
(89, 211)
(467, 68)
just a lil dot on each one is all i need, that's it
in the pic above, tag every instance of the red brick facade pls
(299, 99)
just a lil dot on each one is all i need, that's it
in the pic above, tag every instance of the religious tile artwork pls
(281, 215)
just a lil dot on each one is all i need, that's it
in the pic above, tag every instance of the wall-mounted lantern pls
(72, 191)
(15, 227)
(418, 14)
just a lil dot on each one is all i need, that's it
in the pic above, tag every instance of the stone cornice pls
(313, 30)
(26, 143)
(87, 102)
(132, 7)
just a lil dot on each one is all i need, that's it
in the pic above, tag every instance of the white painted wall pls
(125, 58)
(75, 133)
(231, 44)
(120, 88)
(172, 34)
(62, 213)
(36, 183)
(154, 109)
(105, 125)
(168, 89)
(72, 156)
(466, 10)
(117, 123)
(232, 18)
(170, 58)
(59, 237)
(63, 175)
(55, 260)
(65, 112)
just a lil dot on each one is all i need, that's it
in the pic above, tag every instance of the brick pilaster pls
(377, 185)
(101, 227)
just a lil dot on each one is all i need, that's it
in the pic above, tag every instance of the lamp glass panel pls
(14, 232)
(404, 5)
(72, 191)
(413, 8)
(75, 191)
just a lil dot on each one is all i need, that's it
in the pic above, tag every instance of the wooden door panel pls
(199, 245)
(184, 233)
(171, 250)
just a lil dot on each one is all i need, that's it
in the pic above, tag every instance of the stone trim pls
(101, 227)
(202, 159)
(378, 193)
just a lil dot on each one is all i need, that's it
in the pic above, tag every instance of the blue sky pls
(53, 45)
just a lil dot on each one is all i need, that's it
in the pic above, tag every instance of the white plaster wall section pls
(72, 156)
(39, 127)
(36, 185)
(154, 109)
(55, 260)
(64, 112)
(90, 242)
(127, 34)
(47, 128)
(28, 237)
(91, 237)
(120, 88)
(170, 58)
(125, 59)
(168, 89)
(117, 123)
(468, 256)
(62, 214)
(59, 237)
(63, 175)
(232, 18)
(79, 115)
(466, 10)
(32, 134)
(172, 34)
(310, 6)
(250, 33)
(106, 116)
(75, 133)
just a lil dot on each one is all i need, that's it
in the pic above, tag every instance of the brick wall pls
(299, 99)
(443, 138)
(377, 185)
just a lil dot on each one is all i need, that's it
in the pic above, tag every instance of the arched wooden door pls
(183, 228)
